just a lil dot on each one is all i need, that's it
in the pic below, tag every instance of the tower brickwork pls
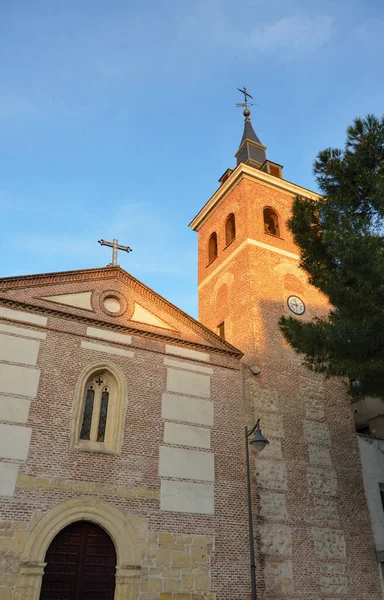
(313, 535)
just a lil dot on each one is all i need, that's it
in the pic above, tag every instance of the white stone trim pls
(143, 315)
(14, 441)
(8, 477)
(18, 350)
(18, 315)
(187, 435)
(273, 249)
(30, 333)
(239, 248)
(186, 464)
(185, 382)
(187, 497)
(77, 300)
(14, 409)
(112, 336)
(178, 364)
(19, 380)
(186, 353)
(187, 409)
(106, 349)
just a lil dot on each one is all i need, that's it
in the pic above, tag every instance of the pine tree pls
(341, 240)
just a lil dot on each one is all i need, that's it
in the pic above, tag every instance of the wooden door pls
(81, 563)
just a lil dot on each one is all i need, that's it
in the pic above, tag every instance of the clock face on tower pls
(296, 305)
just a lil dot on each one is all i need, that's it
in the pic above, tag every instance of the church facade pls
(119, 410)
(122, 459)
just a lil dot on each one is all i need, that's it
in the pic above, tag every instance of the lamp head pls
(259, 441)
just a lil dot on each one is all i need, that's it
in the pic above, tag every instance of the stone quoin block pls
(317, 433)
(18, 380)
(18, 350)
(276, 539)
(8, 476)
(191, 410)
(14, 409)
(187, 497)
(329, 544)
(14, 441)
(332, 579)
(186, 464)
(192, 384)
(319, 455)
(278, 578)
(271, 474)
(187, 435)
(273, 506)
(324, 511)
(322, 481)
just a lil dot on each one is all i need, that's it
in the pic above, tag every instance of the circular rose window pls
(112, 304)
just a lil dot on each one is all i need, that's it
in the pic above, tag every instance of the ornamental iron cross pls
(115, 247)
(246, 96)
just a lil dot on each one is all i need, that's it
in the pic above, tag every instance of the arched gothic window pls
(271, 222)
(100, 406)
(230, 229)
(212, 247)
(95, 412)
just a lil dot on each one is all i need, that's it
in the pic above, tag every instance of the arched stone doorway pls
(80, 564)
(128, 534)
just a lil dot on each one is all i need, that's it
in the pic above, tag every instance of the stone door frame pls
(127, 533)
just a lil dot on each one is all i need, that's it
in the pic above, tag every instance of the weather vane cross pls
(115, 247)
(246, 96)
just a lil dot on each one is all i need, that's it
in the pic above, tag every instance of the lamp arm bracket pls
(253, 428)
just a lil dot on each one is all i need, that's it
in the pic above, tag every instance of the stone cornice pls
(244, 171)
(55, 278)
(216, 344)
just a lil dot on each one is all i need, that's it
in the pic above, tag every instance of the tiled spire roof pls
(251, 150)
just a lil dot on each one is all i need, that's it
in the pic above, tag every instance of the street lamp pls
(258, 443)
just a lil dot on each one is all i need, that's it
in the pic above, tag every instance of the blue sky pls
(117, 118)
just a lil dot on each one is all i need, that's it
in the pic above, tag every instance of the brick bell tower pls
(309, 541)
(248, 270)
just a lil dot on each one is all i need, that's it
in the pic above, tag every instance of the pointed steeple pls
(251, 151)
(249, 132)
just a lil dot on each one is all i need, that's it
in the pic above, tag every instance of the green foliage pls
(341, 238)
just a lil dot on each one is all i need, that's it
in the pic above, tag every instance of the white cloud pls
(292, 34)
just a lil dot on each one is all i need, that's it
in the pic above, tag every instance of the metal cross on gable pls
(115, 247)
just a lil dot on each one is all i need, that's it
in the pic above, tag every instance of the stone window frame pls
(127, 533)
(116, 409)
